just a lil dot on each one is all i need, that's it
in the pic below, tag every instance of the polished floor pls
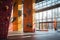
(50, 35)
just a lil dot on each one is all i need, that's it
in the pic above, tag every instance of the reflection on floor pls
(51, 35)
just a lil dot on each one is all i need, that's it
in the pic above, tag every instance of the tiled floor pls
(51, 35)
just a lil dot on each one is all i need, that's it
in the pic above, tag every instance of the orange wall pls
(15, 14)
(15, 25)
(20, 19)
(29, 18)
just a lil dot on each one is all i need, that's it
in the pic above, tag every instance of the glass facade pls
(48, 19)
(46, 3)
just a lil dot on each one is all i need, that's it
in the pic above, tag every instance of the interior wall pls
(28, 16)
(16, 25)
(20, 18)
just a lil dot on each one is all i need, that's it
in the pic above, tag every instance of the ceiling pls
(36, 1)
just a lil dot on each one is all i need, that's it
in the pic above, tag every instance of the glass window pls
(44, 7)
(44, 15)
(58, 19)
(52, 4)
(49, 14)
(55, 0)
(49, 20)
(41, 4)
(58, 1)
(52, 1)
(58, 12)
(36, 16)
(54, 19)
(55, 12)
(40, 20)
(44, 3)
(58, 25)
(49, 5)
(41, 15)
(48, 2)
(44, 20)
(36, 3)
(36, 6)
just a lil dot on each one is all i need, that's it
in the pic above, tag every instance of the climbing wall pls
(16, 15)
(28, 16)
(20, 18)
(34, 20)
(5, 13)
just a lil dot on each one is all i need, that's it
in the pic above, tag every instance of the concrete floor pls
(51, 35)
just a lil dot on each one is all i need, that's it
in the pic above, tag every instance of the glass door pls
(43, 26)
(47, 26)
(50, 26)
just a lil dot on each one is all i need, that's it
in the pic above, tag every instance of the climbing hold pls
(5, 8)
(29, 24)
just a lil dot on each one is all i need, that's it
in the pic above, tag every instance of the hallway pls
(51, 35)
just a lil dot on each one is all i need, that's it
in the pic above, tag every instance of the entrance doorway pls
(45, 26)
